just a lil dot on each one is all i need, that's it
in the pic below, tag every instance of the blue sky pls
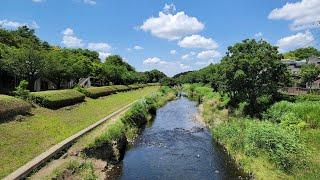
(172, 36)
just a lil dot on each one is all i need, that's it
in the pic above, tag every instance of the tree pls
(154, 76)
(309, 73)
(253, 73)
(25, 63)
(302, 53)
(116, 60)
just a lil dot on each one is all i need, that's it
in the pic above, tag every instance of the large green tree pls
(309, 73)
(302, 53)
(253, 73)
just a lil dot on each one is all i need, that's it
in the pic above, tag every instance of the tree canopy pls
(302, 53)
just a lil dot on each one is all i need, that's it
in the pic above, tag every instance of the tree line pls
(251, 74)
(24, 56)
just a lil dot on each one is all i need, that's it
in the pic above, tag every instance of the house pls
(295, 66)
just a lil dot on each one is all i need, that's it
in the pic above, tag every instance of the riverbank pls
(94, 154)
(286, 150)
(25, 139)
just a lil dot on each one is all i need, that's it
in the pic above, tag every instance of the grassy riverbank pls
(105, 145)
(21, 141)
(282, 145)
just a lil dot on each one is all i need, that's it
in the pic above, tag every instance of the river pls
(176, 146)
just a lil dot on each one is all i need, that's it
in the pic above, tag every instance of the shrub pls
(21, 90)
(137, 115)
(282, 146)
(11, 106)
(308, 97)
(96, 92)
(306, 111)
(57, 98)
(121, 88)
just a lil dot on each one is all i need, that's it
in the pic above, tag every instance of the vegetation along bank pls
(95, 153)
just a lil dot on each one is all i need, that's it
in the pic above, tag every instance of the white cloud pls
(209, 54)
(14, 24)
(258, 35)
(70, 40)
(90, 2)
(304, 14)
(298, 40)
(172, 26)
(38, 1)
(168, 67)
(137, 47)
(153, 61)
(197, 41)
(188, 56)
(169, 8)
(173, 52)
(102, 48)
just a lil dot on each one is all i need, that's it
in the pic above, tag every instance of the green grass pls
(11, 106)
(22, 141)
(57, 98)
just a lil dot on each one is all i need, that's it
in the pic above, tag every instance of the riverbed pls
(176, 146)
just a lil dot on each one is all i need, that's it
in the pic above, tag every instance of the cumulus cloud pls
(137, 47)
(173, 52)
(303, 14)
(188, 56)
(70, 40)
(197, 41)
(168, 67)
(14, 24)
(172, 26)
(209, 54)
(169, 8)
(102, 48)
(298, 40)
(90, 2)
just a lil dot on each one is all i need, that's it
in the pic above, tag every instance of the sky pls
(170, 35)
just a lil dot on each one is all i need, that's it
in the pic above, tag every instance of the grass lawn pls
(22, 141)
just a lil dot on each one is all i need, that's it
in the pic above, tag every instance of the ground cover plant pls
(11, 106)
(57, 98)
(48, 127)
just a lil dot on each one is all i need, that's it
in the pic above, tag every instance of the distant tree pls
(167, 81)
(309, 74)
(25, 63)
(116, 60)
(253, 73)
(302, 53)
(154, 76)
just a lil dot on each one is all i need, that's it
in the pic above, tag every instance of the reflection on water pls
(176, 146)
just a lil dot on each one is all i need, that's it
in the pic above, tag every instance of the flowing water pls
(177, 146)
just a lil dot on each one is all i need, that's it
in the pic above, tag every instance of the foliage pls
(96, 92)
(57, 98)
(308, 97)
(309, 73)
(282, 146)
(167, 81)
(302, 53)
(76, 169)
(253, 73)
(11, 106)
(305, 111)
(24, 56)
(21, 90)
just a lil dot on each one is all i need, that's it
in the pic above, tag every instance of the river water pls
(176, 146)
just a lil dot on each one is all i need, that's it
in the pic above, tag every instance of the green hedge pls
(96, 92)
(57, 98)
(11, 106)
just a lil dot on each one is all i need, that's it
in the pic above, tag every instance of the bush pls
(121, 88)
(282, 146)
(11, 106)
(137, 115)
(308, 97)
(305, 111)
(57, 98)
(21, 90)
(96, 92)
